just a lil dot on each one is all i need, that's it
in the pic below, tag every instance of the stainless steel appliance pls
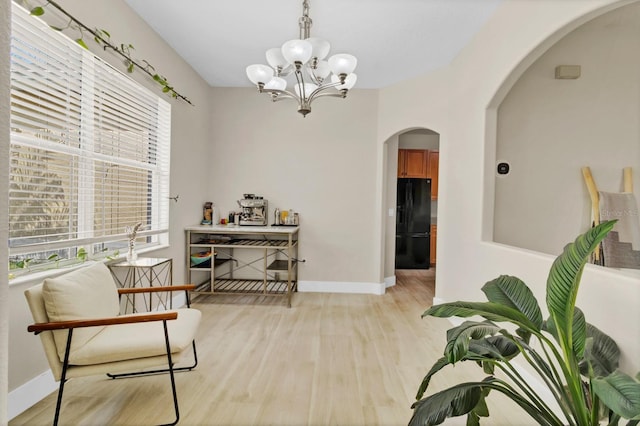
(254, 210)
(413, 223)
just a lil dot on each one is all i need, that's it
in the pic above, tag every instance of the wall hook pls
(175, 198)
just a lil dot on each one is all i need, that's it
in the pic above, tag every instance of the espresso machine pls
(254, 210)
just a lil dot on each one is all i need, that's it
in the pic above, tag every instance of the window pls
(89, 153)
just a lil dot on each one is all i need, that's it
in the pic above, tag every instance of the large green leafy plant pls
(576, 361)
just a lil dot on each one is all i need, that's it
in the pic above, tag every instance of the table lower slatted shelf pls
(241, 286)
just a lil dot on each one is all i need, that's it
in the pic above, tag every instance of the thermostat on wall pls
(503, 168)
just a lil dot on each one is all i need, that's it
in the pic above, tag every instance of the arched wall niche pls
(546, 129)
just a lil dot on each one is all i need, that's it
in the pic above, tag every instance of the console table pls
(260, 260)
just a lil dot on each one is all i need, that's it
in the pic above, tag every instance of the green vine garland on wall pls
(103, 38)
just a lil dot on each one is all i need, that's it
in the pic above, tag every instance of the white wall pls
(419, 139)
(322, 166)
(455, 101)
(548, 129)
(190, 152)
(391, 183)
(5, 22)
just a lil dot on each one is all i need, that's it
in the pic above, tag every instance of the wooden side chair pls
(77, 317)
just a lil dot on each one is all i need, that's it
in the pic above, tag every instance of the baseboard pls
(340, 287)
(390, 281)
(22, 398)
(179, 300)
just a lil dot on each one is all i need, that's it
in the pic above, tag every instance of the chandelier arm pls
(317, 93)
(315, 78)
(333, 95)
(284, 93)
(301, 84)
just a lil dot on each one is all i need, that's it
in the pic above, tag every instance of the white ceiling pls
(392, 39)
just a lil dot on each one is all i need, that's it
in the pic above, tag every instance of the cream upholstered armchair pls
(77, 316)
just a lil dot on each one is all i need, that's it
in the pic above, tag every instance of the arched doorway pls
(410, 239)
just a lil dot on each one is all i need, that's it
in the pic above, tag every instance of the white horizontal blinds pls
(126, 133)
(45, 118)
(160, 185)
(89, 148)
(41, 202)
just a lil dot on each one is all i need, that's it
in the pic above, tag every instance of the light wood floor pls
(331, 359)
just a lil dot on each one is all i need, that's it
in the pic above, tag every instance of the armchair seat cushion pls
(139, 340)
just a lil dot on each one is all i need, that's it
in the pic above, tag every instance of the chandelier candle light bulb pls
(303, 59)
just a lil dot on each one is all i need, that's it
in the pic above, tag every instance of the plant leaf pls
(37, 11)
(473, 419)
(579, 329)
(439, 365)
(455, 401)
(488, 310)
(488, 367)
(82, 43)
(601, 352)
(620, 393)
(513, 292)
(579, 332)
(458, 338)
(495, 347)
(480, 410)
(563, 283)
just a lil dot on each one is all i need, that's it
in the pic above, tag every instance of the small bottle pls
(215, 216)
(290, 217)
(276, 217)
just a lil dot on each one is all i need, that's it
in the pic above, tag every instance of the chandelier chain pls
(305, 21)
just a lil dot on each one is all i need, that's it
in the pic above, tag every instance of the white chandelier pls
(304, 59)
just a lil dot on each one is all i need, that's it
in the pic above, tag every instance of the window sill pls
(39, 276)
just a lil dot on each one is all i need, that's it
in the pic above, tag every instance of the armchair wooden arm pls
(133, 290)
(168, 288)
(125, 319)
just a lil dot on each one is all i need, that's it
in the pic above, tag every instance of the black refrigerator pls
(413, 223)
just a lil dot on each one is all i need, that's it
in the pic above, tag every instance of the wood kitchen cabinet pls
(420, 163)
(432, 172)
(413, 163)
(432, 244)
